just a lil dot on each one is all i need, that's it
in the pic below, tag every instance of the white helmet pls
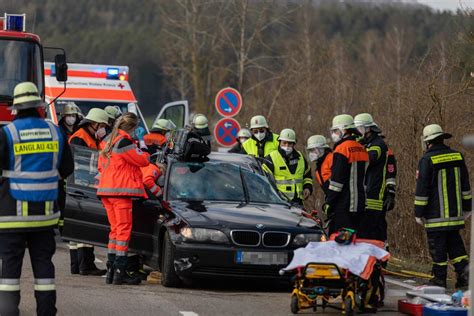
(244, 133)
(433, 131)
(342, 122)
(287, 135)
(317, 141)
(200, 121)
(258, 121)
(70, 108)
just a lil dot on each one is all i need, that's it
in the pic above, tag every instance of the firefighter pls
(92, 129)
(320, 152)
(373, 219)
(121, 181)
(345, 200)
(290, 169)
(158, 135)
(200, 126)
(242, 137)
(114, 113)
(263, 141)
(443, 201)
(69, 122)
(35, 155)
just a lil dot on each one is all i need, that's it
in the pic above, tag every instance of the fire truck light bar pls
(14, 22)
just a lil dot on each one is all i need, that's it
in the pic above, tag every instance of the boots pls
(135, 267)
(109, 277)
(120, 274)
(86, 262)
(463, 278)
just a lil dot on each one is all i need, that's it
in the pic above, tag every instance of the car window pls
(260, 190)
(85, 167)
(205, 181)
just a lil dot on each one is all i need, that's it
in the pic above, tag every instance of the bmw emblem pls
(260, 226)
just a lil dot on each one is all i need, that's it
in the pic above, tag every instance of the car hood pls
(233, 215)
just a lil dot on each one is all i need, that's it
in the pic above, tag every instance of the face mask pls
(260, 136)
(361, 130)
(286, 149)
(70, 120)
(315, 155)
(101, 132)
(336, 136)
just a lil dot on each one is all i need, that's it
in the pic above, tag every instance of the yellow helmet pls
(26, 96)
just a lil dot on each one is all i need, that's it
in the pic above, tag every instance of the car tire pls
(169, 278)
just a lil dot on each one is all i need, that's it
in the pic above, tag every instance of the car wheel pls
(169, 278)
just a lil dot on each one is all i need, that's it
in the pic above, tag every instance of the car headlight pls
(302, 240)
(203, 235)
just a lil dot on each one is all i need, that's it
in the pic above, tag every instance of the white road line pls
(188, 313)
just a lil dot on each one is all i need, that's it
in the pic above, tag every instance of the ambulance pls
(90, 86)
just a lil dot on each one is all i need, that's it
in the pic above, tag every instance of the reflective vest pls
(443, 191)
(375, 175)
(288, 183)
(35, 148)
(251, 146)
(86, 137)
(120, 174)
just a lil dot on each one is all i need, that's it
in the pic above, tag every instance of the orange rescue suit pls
(85, 137)
(323, 171)
(155, 139)
(151, 173)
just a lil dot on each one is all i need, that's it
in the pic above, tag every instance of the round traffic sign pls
(225, 132)
(228, 102)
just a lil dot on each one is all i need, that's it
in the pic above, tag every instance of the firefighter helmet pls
(363, 119)
(317, 141)
(113, 111)
(163, 125)
(200, 121)
(287, 135)
(433, 131)
(26, 96)
(244, 133)
(70, 108)
(258, 121)
(342, 122)
(96, 115)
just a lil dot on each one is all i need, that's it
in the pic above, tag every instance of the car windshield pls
(19, 61)
(85, 106)
(217, 181)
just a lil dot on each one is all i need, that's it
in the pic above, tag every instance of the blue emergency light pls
(14, 22)
(112, 73)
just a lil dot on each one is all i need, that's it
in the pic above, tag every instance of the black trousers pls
(373, 225)
(41, 247)
(444, 245)
(344, 220)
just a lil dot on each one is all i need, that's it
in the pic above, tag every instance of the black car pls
(218, 218)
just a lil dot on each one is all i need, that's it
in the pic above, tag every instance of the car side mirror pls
(61, 67)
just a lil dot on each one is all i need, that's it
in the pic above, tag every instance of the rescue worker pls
(121, 181)
(345, 200)
(157, 138)
(200, 126)
(320, 152)
(373, 219)
(69, 121)
(443, 201)
(263, 141)
(242, 137)
(92, 129)
(90, 134)
(391, 181)
(290, 169)
(34, 156)
(114, 113)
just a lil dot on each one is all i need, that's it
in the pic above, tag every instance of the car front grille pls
(276, 239)
(248, 271)
(245, 238)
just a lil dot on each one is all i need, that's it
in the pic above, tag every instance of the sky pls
(452, 5)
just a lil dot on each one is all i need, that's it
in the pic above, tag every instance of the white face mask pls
(288, 150)
(100, 133)
(361, 130)
(260, 136)
(316, 154)
(70, 120)
(336, 136)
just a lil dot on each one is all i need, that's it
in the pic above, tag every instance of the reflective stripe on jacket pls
(120, 174)
(262, 149)
(35, 148)
(151, 174)
(443, 191)
(346, 192)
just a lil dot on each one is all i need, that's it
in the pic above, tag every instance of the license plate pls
(261, 258)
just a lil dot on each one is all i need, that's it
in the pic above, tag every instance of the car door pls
(177, 112)
(85, 218)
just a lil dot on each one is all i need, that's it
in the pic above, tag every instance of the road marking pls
(188, 313)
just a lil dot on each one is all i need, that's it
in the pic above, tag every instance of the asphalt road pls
(81, 295)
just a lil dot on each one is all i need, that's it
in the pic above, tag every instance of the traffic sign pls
(228, 102)
(226, 131)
